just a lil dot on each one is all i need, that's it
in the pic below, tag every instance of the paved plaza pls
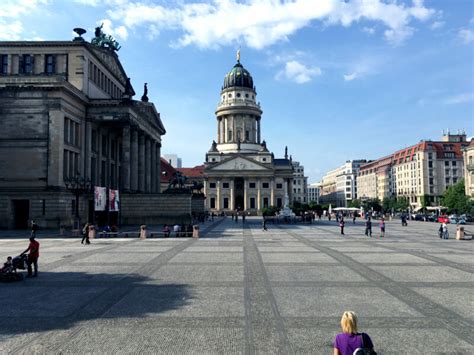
(242, 290)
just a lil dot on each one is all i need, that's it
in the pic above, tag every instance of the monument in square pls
(241, 174)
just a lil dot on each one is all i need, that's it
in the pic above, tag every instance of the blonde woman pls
(350, 341)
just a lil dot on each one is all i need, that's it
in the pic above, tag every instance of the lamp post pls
(78, 185)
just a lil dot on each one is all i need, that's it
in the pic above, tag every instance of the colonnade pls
(140, 164)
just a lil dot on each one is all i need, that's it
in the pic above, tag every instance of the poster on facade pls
(100, 198)
(114, 200)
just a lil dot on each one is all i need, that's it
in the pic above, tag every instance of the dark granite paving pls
(239, 289)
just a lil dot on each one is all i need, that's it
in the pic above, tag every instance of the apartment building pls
(313, 192)
(300, 183)
(468, 155)
(375, 179)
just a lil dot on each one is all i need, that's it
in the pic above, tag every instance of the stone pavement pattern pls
(242, 290)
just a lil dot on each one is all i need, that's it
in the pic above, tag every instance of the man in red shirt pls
(33, 256)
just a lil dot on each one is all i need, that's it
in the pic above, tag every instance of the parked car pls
(453, 220)
(431, 218)
(467, 218)
(443, 219)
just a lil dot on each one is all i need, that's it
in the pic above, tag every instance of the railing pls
(238, 102)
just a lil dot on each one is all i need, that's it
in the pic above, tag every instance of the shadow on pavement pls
(59, 300)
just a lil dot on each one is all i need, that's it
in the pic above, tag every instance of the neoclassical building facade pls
(241, 174)
(67, 110)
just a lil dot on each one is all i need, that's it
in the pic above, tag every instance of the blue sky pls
(336, 79)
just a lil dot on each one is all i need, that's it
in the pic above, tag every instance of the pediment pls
(111, 62)
(240, 164)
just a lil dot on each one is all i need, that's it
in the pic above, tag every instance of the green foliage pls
(355, 203)
(402, 203)
(455, 199)
(389, 203)
(270, 211)
(299, 208)
(373, 203)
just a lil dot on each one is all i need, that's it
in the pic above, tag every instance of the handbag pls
(364, 350)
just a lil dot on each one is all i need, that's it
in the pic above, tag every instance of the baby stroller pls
(9, 273)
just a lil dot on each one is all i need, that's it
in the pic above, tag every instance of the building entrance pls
(239, 193)
(21, 213)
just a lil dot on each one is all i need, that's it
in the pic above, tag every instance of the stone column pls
(141, 162)
(208, 199)
(148, 164)
(272, 192)
(259, 194)
(219, 129)
(158, 167)
(232, 195)
(88, 151)
(125, 163)
(153, 166)
(245, 195)
(218, 197)
(134, 161)
(258, 129)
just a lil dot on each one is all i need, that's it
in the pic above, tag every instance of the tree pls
(355, 203)
(455, 199)
(389, 203)
(402, 203)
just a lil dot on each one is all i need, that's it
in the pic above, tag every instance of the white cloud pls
(119, 32)
(88, 2)
(368, 30)
(466, 35)
(261, 23)
(350, 77)
(10, 31)
(297, 72)
(460, 99)
(437, 24)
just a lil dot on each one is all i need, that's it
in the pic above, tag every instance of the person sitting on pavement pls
(7, 266)
(350, 341)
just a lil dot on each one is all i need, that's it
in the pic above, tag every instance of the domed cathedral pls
(241, 174)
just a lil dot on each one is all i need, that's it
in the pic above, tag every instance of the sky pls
(336, 79)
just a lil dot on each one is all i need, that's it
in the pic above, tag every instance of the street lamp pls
(78, 185)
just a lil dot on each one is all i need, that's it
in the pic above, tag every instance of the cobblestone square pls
(239, 290)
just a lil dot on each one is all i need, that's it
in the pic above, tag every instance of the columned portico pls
(134, 161)
(125, 163)
(141, 162)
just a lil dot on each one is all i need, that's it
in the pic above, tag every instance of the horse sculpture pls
(178, 180)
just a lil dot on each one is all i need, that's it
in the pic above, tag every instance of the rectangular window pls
(50, 64)
(265, 202)
(113, 149)
(430, 164)
(431, 181)
(66, 130)
(279, 186)
(447, 181)
(251, 185)
(77, 131)
(229, 136)
(26, 64)
(453, 163)
(252, 202)
(265, 185)
(226, 202)
(65, 164)
(73, 207)
(279, 203)
(225, 185)
(455, 180)
(247, 135)
(213, 202)
(94, 140)
(4, 64)
(212, 185)
(446, 163)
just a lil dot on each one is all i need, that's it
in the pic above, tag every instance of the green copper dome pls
(238, 76)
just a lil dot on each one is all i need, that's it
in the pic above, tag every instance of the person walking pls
(354, 218)
(350, 341)
(341, 224)
(368, 227)
(264, 224)
(382, 227)
(445, 231)
(33, 256)
(34, 229)
(236, 217)
(440, 230)
(166, 231)
(85, 234)
(243, 218)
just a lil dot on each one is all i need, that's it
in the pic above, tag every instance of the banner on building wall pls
(114, 200)
(100, 198)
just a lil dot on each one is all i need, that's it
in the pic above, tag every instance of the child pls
(8, 266)
(382, 228)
